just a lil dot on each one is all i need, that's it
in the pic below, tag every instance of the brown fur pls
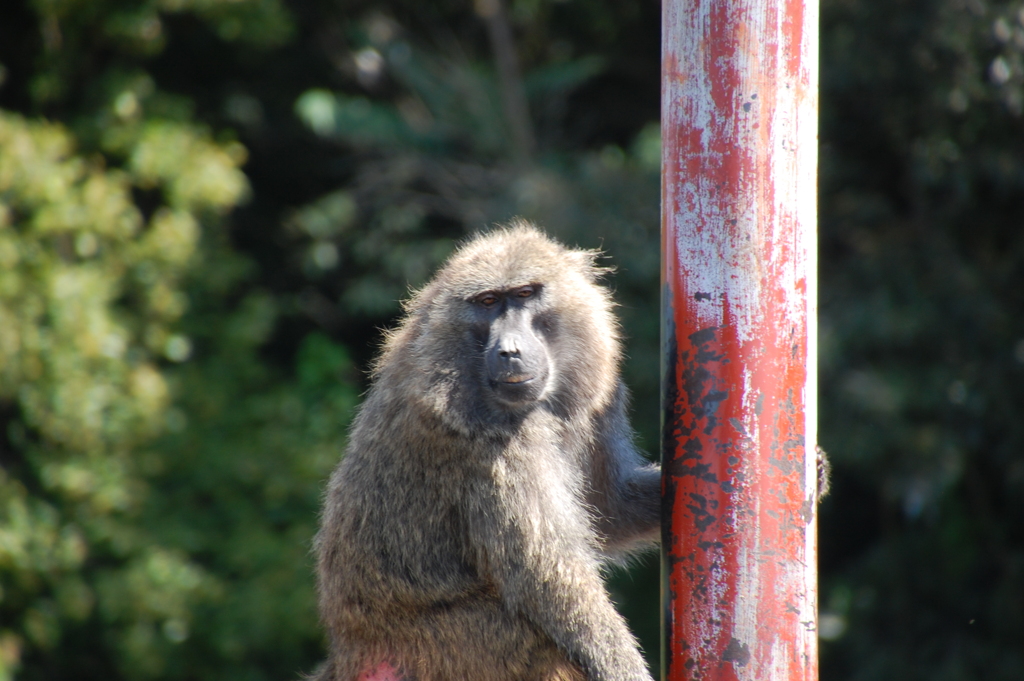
(463, 538)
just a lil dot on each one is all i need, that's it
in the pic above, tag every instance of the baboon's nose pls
(508, 348)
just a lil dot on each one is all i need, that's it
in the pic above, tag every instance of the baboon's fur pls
(463, 539)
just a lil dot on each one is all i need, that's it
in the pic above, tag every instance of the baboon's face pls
(513, 331)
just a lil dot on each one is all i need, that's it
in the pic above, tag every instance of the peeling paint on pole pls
(739, 145)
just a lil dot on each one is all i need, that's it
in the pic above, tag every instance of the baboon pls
(489, 475)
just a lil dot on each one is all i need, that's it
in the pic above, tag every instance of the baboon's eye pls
(525, 292)
(488, 299)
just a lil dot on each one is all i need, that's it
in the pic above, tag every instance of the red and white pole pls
(739, 166)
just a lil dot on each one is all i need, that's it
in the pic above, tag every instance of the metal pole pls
(739, 136)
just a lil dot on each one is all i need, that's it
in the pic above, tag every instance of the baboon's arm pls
(532, 541)
(623, 487)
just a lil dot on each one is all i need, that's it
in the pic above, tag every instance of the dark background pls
(174, 393)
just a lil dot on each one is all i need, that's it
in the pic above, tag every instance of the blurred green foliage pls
(209, 209)
(922, 198)
(90, 294)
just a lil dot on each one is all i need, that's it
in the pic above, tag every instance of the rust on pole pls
(739, 164)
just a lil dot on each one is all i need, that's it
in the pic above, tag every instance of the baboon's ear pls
(586, 262)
